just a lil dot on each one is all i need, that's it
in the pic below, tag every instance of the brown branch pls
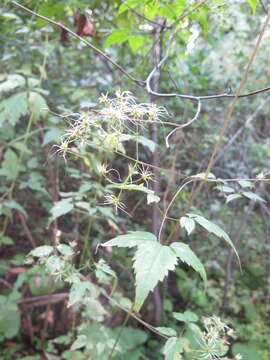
(88, 43)
(27, 230)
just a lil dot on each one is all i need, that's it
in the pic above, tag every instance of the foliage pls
(94, 159)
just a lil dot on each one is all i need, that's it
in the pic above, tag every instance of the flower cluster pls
(213, 341)
(105, 128)
(119, 119)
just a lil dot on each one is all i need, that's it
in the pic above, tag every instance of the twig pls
(184, 125)
(93, 47)
(263, 6)
(27, 230)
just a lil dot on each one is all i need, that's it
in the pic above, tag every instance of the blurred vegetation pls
(65, 150)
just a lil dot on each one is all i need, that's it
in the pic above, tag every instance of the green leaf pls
(172, 348)
(81, 341)
(152, 261)
(225, 188)
(122, 8)
(134, 238)
(146, 142)
(232, 197)
(249, 351)
(78, 291)
(60, 208)
(185, 254)
(136, 42)
(214, 229)
(42, 251)
(117, 37)
(187, 223)
(16, 206)
(54, 264)
(51, 135)
(250, 195)
(12, 108)
(166, 331)
(253, 4)
(103, 266)
(37, 105)
(12, 82)
(10, 318)
(65, 250)
(245, 183)
(10, 165)
(187, 316)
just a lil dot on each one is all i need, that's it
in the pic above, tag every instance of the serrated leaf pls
(187, 223)
(250, 195)
(65, 250)
(187, 316)
(134, 238)
(102, 266)
(60, 208)
(81, 341)
(10, 165)
(54, 264)
(166, 331)
(12, 108)
(172, 349)
(152, 261)
(42, 251)
(185, 254)
(232, 197)
(214, 229)
(78, 291)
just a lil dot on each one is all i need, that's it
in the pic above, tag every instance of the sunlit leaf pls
(253, 4)
(117, 37)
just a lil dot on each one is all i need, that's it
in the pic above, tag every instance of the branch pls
(184, 125)
(93, 47)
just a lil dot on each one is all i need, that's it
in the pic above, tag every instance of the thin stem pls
(93, 47)
(119, 335)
